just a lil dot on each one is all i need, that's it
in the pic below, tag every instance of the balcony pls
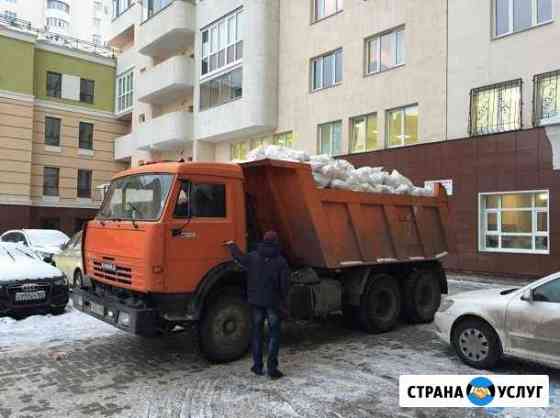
(124, 147)
(165, 133)
(167, 82)
(121, 30)
(169, 30)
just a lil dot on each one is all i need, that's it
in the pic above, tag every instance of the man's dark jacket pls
(268, 274)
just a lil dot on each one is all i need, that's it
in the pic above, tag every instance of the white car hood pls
(15, 265)
(485, 294)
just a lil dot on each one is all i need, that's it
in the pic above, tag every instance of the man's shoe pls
(257, 371)
(275, 374)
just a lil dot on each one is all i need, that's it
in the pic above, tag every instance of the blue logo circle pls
(481, 391)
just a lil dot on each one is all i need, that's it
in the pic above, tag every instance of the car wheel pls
(476, 343)
(59, 310)
(380, 305)
(78, 280)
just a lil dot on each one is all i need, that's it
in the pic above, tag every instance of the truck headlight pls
(446, 304)
(124, 319)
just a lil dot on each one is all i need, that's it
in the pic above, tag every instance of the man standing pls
(267, 290)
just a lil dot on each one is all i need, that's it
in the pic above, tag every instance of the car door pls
(202, 220)
(533, 324)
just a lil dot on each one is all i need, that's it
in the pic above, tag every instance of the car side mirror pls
(528, 296)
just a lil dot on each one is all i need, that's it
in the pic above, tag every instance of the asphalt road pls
(330, 372)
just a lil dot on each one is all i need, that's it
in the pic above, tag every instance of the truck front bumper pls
(134, 320)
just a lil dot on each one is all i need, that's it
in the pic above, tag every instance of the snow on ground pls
(47, 331)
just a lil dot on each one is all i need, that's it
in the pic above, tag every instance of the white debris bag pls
(341, 174)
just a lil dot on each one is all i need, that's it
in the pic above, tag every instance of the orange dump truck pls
(154, 256)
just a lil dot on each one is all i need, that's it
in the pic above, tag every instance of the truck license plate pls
(30, 296)
(97, 309)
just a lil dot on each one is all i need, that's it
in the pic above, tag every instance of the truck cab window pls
(205, 200)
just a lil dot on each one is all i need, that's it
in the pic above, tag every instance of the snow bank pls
(340, 174)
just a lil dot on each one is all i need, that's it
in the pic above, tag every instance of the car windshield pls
(136, 197)
(46, 237)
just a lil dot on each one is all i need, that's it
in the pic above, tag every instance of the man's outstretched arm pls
(237, 254)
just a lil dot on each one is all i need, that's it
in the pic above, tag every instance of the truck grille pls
(116, 273)
(28, 289)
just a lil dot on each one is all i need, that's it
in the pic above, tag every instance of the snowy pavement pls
(72, 365)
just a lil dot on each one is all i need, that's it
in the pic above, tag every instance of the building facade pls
(466, 92)
(57, 131)
(87, 20)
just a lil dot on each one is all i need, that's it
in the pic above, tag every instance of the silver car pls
(484, 325)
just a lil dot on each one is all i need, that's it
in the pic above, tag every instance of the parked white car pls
(43, 242)
(28, 284)
(484, 325)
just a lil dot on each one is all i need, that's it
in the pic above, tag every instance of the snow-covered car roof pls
(46, 237)
(18, 263)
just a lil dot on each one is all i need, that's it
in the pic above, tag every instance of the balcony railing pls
(57, 39)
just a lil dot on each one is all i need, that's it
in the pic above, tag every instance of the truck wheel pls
(422, 297)
(350, 317)
(225, 329)
(381, 304)
(476, 343)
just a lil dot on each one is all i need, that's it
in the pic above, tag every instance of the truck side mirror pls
(527, 296)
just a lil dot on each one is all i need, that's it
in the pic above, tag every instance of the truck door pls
(201, 221)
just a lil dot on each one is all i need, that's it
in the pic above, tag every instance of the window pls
(285, 139)
(84, 184)
(496, 108)
(54, 84)
(512, 16)
(221, 90)
(326, 70)
(121, 6)
(15, 237)
(52, 131)
(364, 133)
(50, 181)
(54, 22)
(385, 51)
(402, 126)
(330, 138)
(325, 8)
(87, 88)
(222, 43)
(155, 6)
(85, 141)
(547, 98)
(239, 151)
(201, 201)
(514, 222)
(548, 292)
(59, 5)
(8, 14)
(125, 91)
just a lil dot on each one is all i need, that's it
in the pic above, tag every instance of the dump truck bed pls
(334, 229)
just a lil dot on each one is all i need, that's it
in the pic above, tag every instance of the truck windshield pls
(137, 197)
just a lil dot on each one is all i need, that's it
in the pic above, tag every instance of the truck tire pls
(380, 304)
(422, 297)
(225, 329)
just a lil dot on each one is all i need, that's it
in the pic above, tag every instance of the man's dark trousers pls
(274, 325)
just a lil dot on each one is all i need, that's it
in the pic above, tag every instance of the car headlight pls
(44, 256)
(124, 319)
(446, 304)
(60, 282)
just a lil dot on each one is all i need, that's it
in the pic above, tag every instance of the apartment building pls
(57, 131)
(460, 92)
(86, 20)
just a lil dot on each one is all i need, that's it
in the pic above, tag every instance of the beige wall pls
(476, 59)
(68, 160)
(16, 122)
(421, 80)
